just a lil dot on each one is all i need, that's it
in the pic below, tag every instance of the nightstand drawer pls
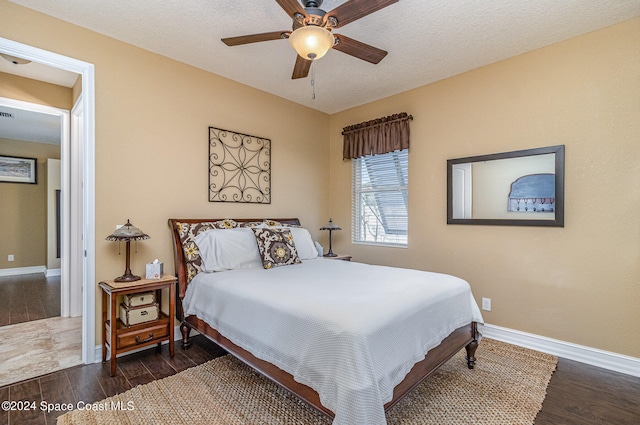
(141, 336)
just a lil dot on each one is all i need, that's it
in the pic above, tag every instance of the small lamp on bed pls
(330, 226)
(127, 233)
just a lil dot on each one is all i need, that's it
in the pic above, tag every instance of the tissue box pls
(155, 270)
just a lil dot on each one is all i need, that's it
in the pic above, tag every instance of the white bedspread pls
(348, 330)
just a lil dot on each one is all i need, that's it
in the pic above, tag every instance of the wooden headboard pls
(178, 251)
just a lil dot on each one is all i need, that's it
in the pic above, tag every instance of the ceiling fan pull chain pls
(313, 80)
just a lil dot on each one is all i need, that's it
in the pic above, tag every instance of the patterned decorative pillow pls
(273, 223)
(276, 247)
(188, 233)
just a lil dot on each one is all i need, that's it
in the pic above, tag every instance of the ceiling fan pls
(312, 37)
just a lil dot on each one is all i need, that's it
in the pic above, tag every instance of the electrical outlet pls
(486, 304)
(10, 257)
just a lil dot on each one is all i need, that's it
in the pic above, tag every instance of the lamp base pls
(330, 254)
(127, 278)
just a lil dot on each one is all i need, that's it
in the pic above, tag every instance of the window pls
(380, 199)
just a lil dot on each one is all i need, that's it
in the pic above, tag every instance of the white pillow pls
(304, 244)
(228, 249)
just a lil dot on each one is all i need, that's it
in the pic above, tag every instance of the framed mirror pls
(519, 188)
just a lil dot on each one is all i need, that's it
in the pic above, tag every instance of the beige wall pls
(152, 119)
(33, 91)
(580, 283)
(23, 208)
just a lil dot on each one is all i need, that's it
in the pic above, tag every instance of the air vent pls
(6, 114)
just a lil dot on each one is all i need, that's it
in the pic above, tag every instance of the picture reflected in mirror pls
(523, 188)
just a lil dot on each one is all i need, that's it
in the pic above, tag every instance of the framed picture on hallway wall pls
(18, 170)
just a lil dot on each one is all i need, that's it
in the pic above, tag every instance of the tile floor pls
(38, 347)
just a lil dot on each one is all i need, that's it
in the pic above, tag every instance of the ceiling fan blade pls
(358, 49)
(301, 68)
(254, 38)
(292, 7)
(356, 9)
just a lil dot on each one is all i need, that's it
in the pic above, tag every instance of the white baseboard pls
(23, 270)
(53, 272)
(580, 353)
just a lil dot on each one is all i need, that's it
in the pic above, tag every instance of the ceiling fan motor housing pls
(314, 16)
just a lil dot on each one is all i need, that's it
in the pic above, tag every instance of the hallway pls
(29, 297)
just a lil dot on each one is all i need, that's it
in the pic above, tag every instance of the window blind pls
(380, 199)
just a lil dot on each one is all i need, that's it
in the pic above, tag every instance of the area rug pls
(507, 386)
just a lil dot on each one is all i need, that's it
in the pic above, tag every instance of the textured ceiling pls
(427, 40)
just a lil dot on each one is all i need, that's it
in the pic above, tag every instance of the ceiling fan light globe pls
(311, 42)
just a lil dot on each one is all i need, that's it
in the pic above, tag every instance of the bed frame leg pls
(185, 330)
(471, 347)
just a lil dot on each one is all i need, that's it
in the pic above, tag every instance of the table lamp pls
(127, 233)
(330, 226)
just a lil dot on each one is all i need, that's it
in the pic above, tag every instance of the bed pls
(349, 339)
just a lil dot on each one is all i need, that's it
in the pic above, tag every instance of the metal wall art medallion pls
(239, 167)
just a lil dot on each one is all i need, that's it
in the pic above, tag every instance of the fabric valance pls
(382, 135)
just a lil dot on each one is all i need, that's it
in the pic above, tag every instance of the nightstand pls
(340, 257)
(120, 338)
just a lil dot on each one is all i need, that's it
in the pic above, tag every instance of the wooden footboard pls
(465, 336)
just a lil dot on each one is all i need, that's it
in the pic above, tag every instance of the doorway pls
(81, 234)
(37, 307)
(59, 194)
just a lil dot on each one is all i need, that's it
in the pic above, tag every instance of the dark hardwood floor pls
(91, 383)
(589, 395)
(578, 394)
(28, 297)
